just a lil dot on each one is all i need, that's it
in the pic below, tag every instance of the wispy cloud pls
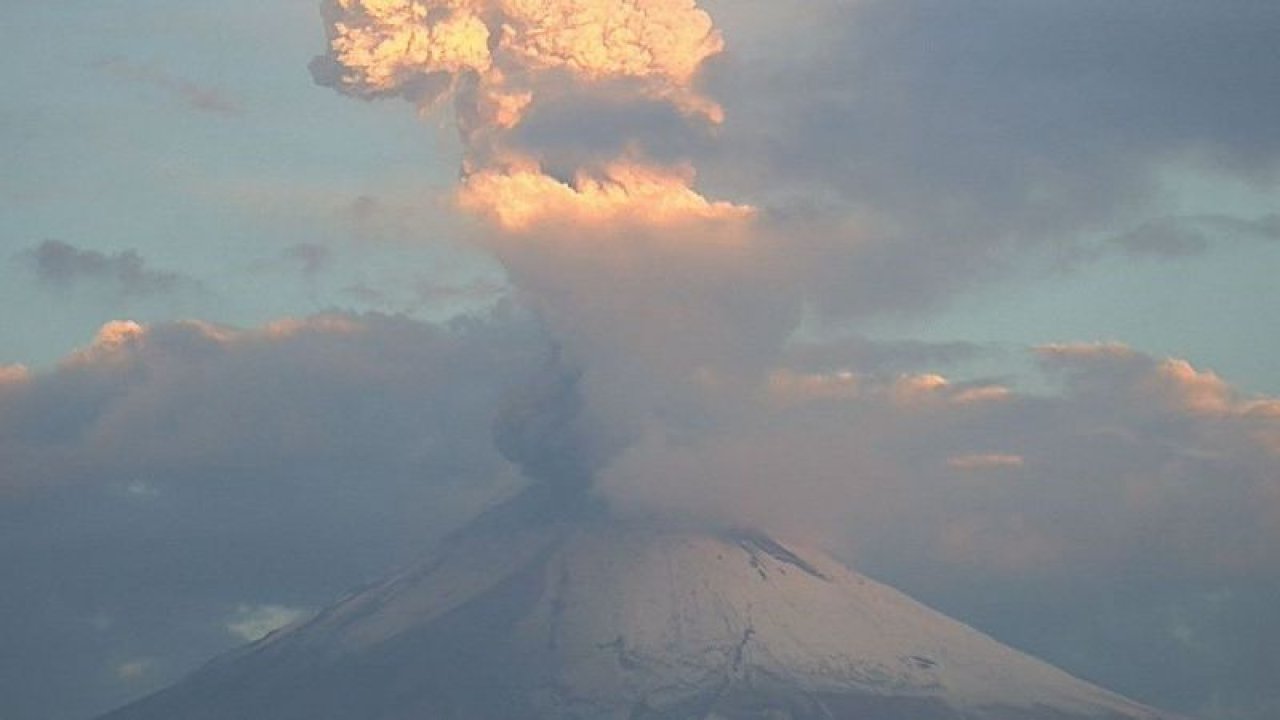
(60, 264)
(193, 95)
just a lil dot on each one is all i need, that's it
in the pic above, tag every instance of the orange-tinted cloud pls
(1170, 385)
(113, 340)
(624, 193)
(14, 374)
(496, 59)
(501, 46)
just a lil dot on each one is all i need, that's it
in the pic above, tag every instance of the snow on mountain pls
(532, 614)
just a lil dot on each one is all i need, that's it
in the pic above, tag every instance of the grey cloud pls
(588, 130)
(1143, 485)
(164, 477)
(546, 428)
(962, 137)
(60, 264)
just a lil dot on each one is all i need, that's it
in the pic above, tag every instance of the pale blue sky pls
(193, 134)
(1214, 309)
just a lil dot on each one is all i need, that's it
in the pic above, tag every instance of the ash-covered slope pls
(528, 614)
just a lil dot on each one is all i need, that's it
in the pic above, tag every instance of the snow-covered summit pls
(529, 614)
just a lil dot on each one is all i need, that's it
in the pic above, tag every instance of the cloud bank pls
(165, 476)
(232, 478)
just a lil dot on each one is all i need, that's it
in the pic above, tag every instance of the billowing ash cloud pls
(496, 61)
(891, 152)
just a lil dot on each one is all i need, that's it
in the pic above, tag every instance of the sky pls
(976, 294)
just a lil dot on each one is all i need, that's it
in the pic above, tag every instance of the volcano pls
(535, 613)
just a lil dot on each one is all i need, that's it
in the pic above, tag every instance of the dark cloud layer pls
(961, 136)
(1113, 527)
(164, 478)
(166, 485)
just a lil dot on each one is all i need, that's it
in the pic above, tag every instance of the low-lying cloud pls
(164, 476)
(270, 469)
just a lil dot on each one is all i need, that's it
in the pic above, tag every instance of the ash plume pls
(495, 60)
(659, 298)
(546, 430)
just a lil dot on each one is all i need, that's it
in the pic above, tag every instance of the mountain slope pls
(528, 614)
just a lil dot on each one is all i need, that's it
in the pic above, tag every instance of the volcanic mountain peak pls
(525, 617)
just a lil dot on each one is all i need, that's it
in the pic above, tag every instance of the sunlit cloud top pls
(497, 59)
